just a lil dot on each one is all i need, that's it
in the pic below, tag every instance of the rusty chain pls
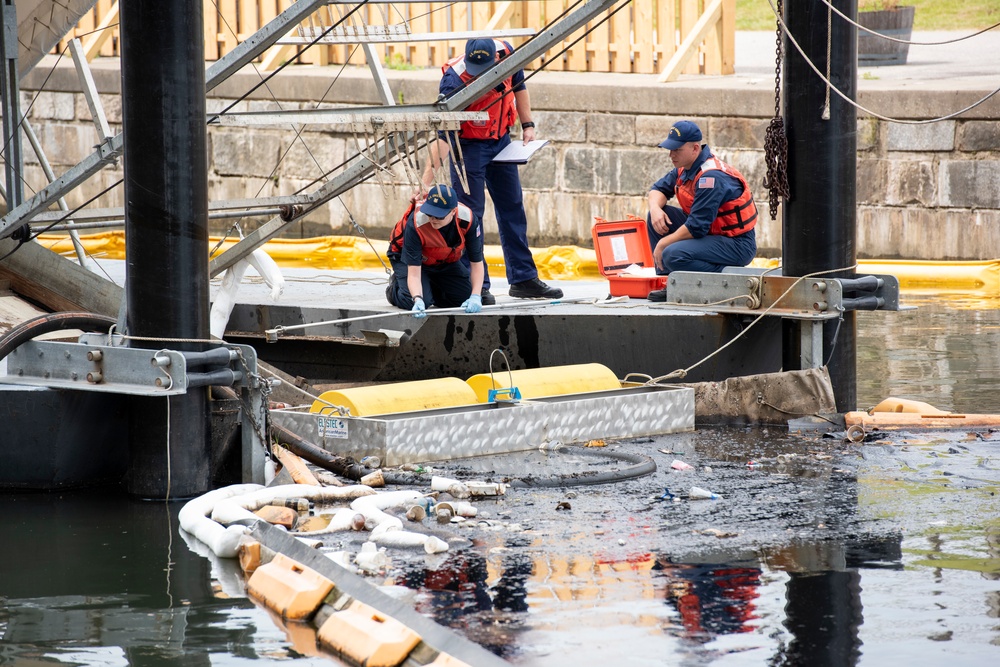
(775, 142)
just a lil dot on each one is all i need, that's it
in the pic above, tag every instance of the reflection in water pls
(712, 599)
(100, 579)
(815, 576)
(941, 353)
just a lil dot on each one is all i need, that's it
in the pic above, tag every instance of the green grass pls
(930, 14)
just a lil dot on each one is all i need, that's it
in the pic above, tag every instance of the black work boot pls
(488, 298)
(658, 295)
(534, 289)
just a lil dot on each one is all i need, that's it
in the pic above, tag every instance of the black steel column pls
(166, 233)
(819, 223)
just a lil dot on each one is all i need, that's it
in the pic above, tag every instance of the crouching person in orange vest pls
(425, 250)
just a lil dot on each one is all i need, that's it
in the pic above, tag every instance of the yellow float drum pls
(398, 397)
(551, 381)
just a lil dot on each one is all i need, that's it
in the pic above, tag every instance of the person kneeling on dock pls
(714, 226)
(425, 250)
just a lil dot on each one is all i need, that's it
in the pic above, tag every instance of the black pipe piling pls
(819, 221)
(166, 234)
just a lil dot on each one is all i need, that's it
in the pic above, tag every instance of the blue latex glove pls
(473, 304)
(419, 309)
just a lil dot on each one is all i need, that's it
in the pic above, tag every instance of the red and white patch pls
(707, 182)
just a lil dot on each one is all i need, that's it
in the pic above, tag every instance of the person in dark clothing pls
(713, 227)
(426, 249)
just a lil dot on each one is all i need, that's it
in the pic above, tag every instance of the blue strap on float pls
(509, 394)
(506, 394)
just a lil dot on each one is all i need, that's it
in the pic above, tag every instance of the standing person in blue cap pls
(480, 141)
(426, 249)
(714, 226)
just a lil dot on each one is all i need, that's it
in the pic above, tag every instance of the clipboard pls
(519, 153)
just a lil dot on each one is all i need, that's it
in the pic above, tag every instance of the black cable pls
(43, 324)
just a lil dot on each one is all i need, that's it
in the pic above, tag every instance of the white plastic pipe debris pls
(242, 507)
(408, 539)
(343, 519)
(388, 530)
(225, 298)
(194, 519)
(371, 558)
(269, 271)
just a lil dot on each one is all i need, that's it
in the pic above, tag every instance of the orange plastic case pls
(620, 244)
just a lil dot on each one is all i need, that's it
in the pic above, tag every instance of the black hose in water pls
(641, 466)
(345, 467)
(340, 465)
(44, 324)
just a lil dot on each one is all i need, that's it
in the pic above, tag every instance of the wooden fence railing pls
(645, 37)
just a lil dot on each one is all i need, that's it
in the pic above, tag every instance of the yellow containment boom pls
(553, 262)
(550, 381)
(398, 397)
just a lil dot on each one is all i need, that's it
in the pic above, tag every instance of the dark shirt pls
(413, 248)
(707, 200)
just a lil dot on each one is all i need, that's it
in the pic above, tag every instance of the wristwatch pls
(525, 126)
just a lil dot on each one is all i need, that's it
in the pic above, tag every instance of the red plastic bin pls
(619, 244)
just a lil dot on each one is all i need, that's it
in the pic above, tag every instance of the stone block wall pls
(924, 191)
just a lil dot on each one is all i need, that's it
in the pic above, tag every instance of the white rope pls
(682, 372)
(904, 41)
(854, 104)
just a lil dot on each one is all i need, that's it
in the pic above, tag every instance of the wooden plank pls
(227, 26)
(94, 43)
(420, 22)
(728, 27)
(57, 283)
(690, 44)
(666, 31)
(532, 16)
(643, 30)
(620, 49)
(689, 13)
(555, 63)
(600, 56)
(210, 28)
(576, 57)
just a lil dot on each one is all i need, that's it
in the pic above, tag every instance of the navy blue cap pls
(682, 132)
(441, 200)
(480, 54)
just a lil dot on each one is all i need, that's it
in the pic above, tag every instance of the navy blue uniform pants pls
(443, 285)
(504, 185)
(711, 253)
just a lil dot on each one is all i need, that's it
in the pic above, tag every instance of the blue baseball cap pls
(441, 200)
(480, 54)
(683, 131)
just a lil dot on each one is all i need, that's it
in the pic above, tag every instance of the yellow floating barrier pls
(398, 397)
(550, 381)
(367, 636)
(553, 262)
(287, 588)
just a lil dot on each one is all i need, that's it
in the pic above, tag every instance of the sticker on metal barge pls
(331, 427)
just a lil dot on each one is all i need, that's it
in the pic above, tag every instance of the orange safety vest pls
(435, 249)
(735, 217)
(503, 114)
